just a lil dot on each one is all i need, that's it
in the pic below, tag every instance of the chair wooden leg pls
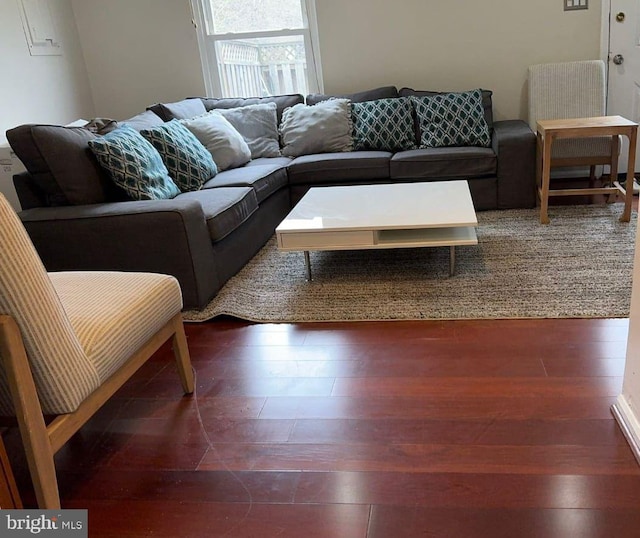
(183, 359)
(592, 176)
(33, 430)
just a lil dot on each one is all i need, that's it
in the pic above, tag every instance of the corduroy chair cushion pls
(64, 376)
(114, 313)
(78, 327)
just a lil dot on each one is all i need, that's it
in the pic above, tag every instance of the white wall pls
(143, 51)
(138, 52)
(42, 89)
(632, 368)
(451, 44)
(627, 406)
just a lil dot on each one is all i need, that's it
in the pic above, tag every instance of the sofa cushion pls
(452, 119)
(224, 208)
(487, 106)
(326, 168)
(61, 163)
(282, 161)
(322, 128)
(144, 120)
(224, 142)
(282, 102)
(258, 125)
(179, 110)
(265, 179)
(383, 92)
(445, 163)
(383, 124)
(189, 163)
(134, 164)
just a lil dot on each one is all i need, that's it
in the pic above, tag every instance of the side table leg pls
(613, 180)
(631, 163)
(452, 261)
(545, 179)
(307, 263)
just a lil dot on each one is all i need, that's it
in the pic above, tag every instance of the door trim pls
(605, 35)
(605, 29)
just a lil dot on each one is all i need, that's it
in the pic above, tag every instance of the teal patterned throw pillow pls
(452, 119)
(189, 163)
(134, 164)
(383, 124)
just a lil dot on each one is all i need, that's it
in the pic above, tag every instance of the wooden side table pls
(550, 130)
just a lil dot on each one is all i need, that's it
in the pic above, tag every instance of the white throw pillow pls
(224, 142)
(321, 128)
(258, 125)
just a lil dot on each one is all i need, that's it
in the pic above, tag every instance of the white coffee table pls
(402, 215)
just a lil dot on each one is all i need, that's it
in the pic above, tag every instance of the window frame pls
(207, 39)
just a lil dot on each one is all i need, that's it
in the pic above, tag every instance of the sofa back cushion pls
(61, 163)
(178, 110)
(384, 92)
(282, 102)
(145, 120)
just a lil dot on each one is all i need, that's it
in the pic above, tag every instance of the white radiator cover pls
(9, 165)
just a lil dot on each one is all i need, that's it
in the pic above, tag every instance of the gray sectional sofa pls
(77, 221)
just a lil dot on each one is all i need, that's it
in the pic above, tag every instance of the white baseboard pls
(629, 424)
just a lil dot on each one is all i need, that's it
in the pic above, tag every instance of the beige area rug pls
(580, 265)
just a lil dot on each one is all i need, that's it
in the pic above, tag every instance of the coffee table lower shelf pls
(307, 240)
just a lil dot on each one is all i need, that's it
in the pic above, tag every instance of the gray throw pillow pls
(321, 128)
(282, 102)
(144, 120)
(224, 142)
(258, 126)
(185, 109)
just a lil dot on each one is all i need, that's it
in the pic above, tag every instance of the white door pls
(623, 96)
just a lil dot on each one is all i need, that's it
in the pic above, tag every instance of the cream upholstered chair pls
(69, 341)
(573, 90)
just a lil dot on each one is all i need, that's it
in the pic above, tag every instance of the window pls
(255, 48)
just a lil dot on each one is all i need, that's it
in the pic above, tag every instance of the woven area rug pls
(580, 265)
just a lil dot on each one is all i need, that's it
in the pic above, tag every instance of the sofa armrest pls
(159, 236)
(515, 146)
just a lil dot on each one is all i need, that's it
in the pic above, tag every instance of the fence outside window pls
(262, 67)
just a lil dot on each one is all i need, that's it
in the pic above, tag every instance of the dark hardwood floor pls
(393, 429)
(459, 429)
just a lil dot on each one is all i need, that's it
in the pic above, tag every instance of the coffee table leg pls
(452, 260)
(307, 263)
